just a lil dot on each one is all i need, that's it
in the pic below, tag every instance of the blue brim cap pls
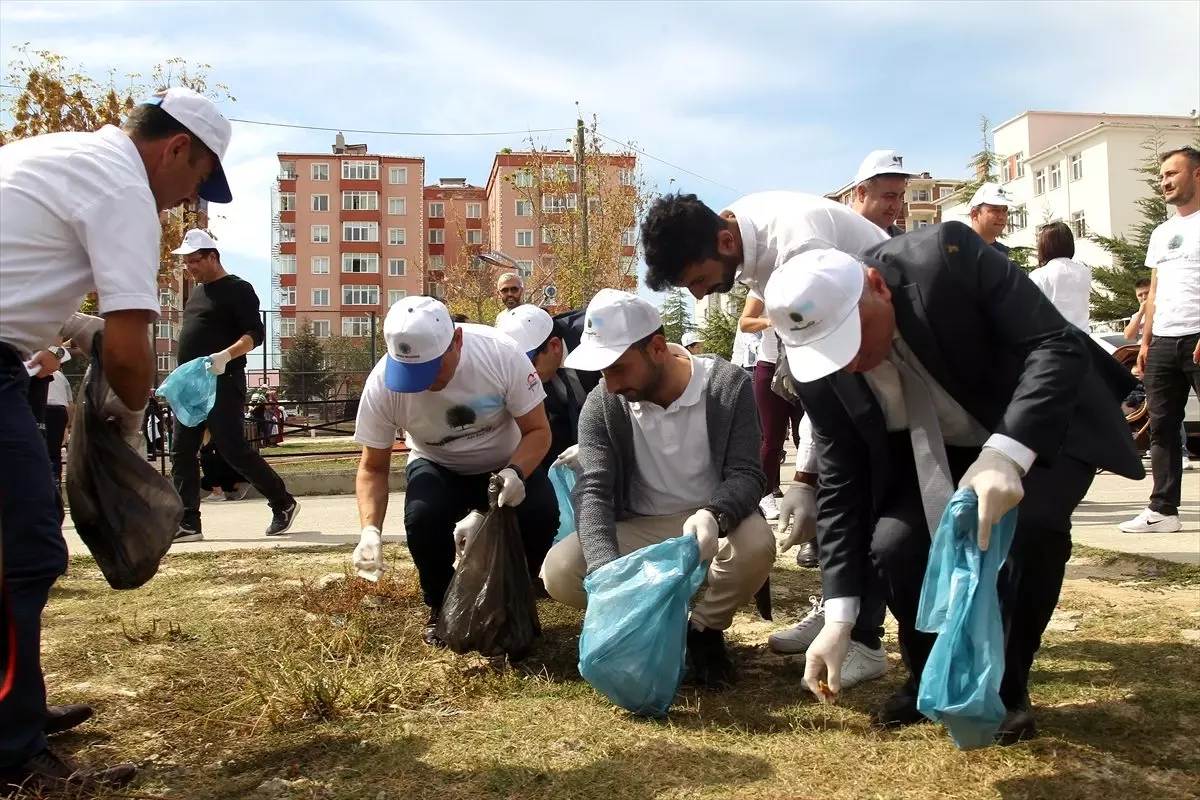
(410, 378)
(216, 188)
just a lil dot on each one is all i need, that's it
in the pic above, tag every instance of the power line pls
(395, 133)
(639, 151)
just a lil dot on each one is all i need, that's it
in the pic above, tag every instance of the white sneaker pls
(769, 507)
(1152, 522)
(1188, 463)
(213, 498)
(797, 638)
(863, 664)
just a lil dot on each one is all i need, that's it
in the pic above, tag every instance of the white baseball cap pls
(528, 326)
(614, 320)
(690, 338)
(418, 332)
(881, 162)
(199, 115)
(991, 194)
(194, 240)
(812, 303)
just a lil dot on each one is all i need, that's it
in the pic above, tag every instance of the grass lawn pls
(236, 674)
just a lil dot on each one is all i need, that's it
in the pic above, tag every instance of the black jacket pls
(569, 326)
(994, 342)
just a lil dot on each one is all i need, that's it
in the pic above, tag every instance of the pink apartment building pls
(455, 220)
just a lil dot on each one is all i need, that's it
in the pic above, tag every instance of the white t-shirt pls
(1174, 252)
(1068, 285)
(776, 226)
(768, 351)
(673, 469)
(468, 427)
(59, 391)
(76, 214)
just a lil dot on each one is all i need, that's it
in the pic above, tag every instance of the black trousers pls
(225, 424)
(437, 498)
(1029, 583)
(1170, 376)
(56, 431)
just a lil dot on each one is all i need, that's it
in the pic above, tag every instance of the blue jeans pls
(35, 554)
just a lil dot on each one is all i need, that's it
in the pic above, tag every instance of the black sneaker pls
(711, 665)
(899, 710)
(282, 521)
(806, 556)
(429, 634)
(188, 533)
(48, 774)
(60, 719)
(1018, 726)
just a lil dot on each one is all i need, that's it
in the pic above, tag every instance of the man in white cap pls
(692, 342)
(989, 214)
(470, 404)
(879, 188)
(668, 447)
(222, 323)
(915, 380)
(79, 212)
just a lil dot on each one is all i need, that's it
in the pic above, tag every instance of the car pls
(1125, 351)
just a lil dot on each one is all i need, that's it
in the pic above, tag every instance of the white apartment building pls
(1077, 168)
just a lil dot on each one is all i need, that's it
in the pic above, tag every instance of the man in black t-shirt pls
(221, 322)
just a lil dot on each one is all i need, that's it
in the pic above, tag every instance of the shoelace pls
(818, 607)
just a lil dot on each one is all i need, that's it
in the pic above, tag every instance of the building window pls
(554, 204)
(287, 327)
(474, 210)
(437, 290)
(559, 172)
(287, 170)
(1079, 224)
(397, 206)
(396, 236)
(162, 329)
(320, 234)
(594, 205)
(320, 297)
(320, 172)
(360, 262)
(287, 265)
(628, 178)
(356, 326)
(360, 201)
(1039, 181)
(320, 327)
(360, 170)
(287, 232)
(166, 295)
(1019, 160)
(164, 362)
(437, 262)
(523, 179)
(1006, 171)
(395, 296)
(525, 238)
(475, 236)
(1077, 166)
(353, 295)
(398, 176)
(287, 201)
(921, 196)
(360, 231)
(944, 191)
(397, 267)
(1018, 219)
(629, 237)
(921, 223)
(1055, 175)
(320, 265)
(437, 210)
(320, 202)
(287, 295)
(437, 236)
(525, 268)
(628, 265)
(524, 208)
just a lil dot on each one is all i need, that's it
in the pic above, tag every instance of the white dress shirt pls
(1068, 285)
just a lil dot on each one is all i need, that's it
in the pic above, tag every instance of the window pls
(523, 179)
(1078, 224)
(475, 236)
(287, 295)
(395, 296)
(628, 237)
(1039, 181)
(396, 236)
(320, 234)
(525, 268)
(474, 210)
(398, 175)
(1018, 219)
(360, 231)
(356, 326)
(437, 262)
(1006, 171)
(162, 329)
(320, 172)
(287, 232)
(437, 290)
(628, 265)
(628, 178)
(353, 295)
(559, 172)
(397, 206)
(287, 265)
(1077, 166)
(397, 267)
(437, 236)
(1019, 160)
(594, 206)
(360, 201)
(921, 196)
(524, 208)
(525, 238)
(166, 295)
(320, 297)
(553, 203)
(921, 223)
(548, 234)
(944, 191)
(572, 201)
(320, 265)
(360, 262)
(437, 210)
(320, 202)
(165, 362)
(287, 327)
(1055, 175)
(287, 201)
(360, 170)
(287, 170)
(320, 328)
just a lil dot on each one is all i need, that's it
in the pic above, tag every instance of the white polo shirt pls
(76, 214)
(1174, 253)
(59, 391)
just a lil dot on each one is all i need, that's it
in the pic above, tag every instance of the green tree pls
(676, 316)
(348, 362)
(982, 165)
(303, 375)
(721, 326)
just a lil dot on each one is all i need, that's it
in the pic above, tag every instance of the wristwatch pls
(724, 523)
(56, 351)
(518, 470)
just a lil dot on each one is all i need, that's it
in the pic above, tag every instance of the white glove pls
(129, 421)
(703, 525)
(826, 655)
(217, 362)
(368, 556)
(568, 458)
(799, 505)
(467, 527)
(80, 329)
(996, 479)
(512, 493)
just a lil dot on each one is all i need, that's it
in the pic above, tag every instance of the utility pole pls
(581, 174)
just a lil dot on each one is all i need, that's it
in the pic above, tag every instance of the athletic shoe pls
(769, 507)
(799, 637)
(1152, 522)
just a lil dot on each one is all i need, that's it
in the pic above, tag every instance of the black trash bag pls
(124, 510)
(490, 606)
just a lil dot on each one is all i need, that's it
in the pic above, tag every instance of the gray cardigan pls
(606, 458)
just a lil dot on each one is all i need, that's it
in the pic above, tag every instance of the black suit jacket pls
(993, 341)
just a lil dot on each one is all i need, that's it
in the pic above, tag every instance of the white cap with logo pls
(881, 162)
(418, 332)
(528, 326)
(194, 240)
(812, 302)
(991, 194)
(199, 115)
(614, 320)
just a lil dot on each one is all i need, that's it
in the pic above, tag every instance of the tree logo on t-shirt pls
(460, 417)
(1175, 243)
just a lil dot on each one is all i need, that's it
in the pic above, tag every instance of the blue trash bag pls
(563, 479)
(634, 641)
(960, 602)
(190, 390)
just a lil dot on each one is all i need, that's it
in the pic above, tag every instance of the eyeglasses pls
(511, 290)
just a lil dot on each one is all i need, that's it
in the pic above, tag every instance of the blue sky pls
(751, 96)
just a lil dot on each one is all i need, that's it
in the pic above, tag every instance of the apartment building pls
(1077, 168)
(174, 286)
(921, 206)
(347, 234)
(455, 221)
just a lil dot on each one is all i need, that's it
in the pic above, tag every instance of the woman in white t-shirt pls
(1066, 282)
